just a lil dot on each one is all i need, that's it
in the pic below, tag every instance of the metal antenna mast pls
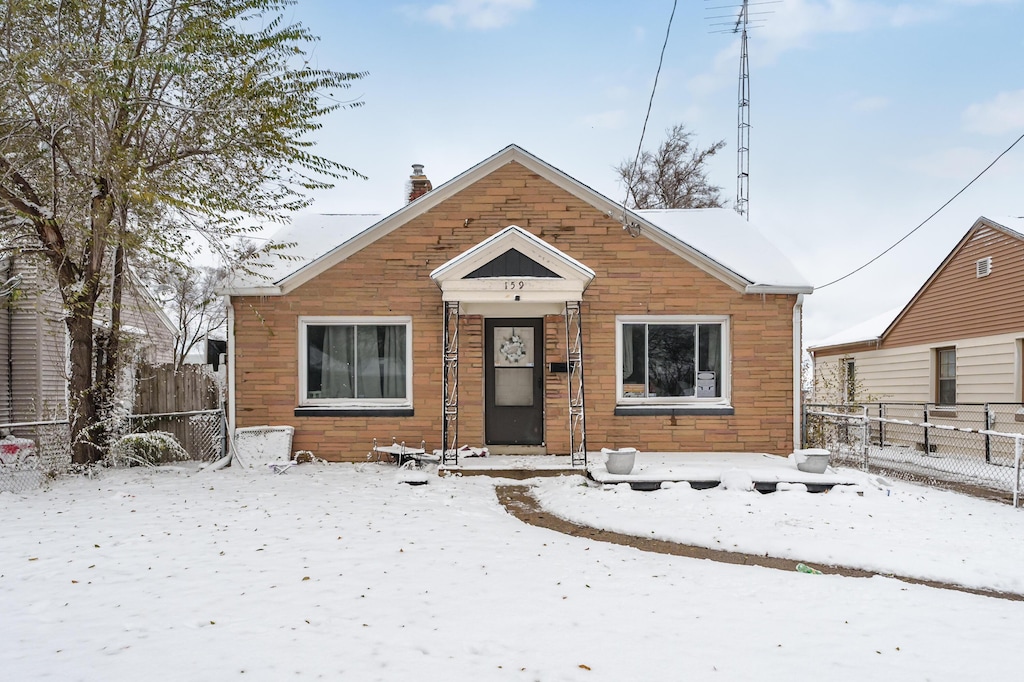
(739, 23)
(743, 121)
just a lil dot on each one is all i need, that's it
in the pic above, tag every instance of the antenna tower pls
(739, 23)
(743, 120)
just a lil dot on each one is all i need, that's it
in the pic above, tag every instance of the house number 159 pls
(514, 284)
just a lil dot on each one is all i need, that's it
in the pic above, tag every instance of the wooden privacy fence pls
(161, 389)
(183, 402)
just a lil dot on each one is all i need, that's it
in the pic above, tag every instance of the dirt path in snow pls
(520, 503)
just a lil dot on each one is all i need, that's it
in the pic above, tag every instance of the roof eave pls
(251, 291)
(779, 289)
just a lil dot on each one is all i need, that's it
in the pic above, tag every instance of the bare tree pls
(131, 126)
(674, 176)
(189, 296)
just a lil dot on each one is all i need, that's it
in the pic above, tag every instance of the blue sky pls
(866, 116)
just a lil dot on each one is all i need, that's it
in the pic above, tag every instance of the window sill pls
(382, 411)
(674, 410)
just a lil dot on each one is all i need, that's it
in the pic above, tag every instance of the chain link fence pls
(975, 448)
(32, 453)
(202, 433)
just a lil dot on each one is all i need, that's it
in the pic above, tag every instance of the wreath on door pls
(513, 349)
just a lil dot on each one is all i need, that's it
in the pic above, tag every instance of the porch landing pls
(699, 469)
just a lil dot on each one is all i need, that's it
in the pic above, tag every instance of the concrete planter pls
(812, 460)
(620, 462)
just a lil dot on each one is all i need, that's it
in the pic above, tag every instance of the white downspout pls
(798, 311)
(231, 367)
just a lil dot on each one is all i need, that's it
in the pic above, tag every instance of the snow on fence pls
(202, 433)
(956, 446)
(32, 453)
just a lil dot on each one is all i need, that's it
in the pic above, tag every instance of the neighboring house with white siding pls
(33, 340)
(958, 340)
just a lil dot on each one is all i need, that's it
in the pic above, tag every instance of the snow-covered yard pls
(340, 572)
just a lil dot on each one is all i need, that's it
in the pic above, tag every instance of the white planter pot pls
(620, 462)
(812, 460)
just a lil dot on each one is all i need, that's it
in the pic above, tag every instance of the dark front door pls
(514, 382)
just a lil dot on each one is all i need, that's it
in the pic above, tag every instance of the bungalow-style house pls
(516, 308)
(34, 343)
(959, 339)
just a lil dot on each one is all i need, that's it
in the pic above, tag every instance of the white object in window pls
(673, 359)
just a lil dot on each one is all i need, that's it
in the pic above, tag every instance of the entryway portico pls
(513, 279)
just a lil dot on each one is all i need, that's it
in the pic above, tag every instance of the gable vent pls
(983, 267)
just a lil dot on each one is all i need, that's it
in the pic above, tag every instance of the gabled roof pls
(511, 237)
(868, 331)
(310, 237)
(877, 328)
(564, 278)
(718, 241)
(724, 236)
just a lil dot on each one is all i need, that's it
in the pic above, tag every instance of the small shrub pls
(147, 449)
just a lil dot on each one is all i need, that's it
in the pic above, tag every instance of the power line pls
(650, 103)
(923, 222)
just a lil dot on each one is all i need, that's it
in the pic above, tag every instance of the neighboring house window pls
(851, 380)
(946, 388)
(355, 361)
(673, 359)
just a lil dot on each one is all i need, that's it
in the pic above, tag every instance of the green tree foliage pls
(128, 127)
(673, 176)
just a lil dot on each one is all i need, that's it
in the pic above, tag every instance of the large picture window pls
(355, 361)
(673, 360)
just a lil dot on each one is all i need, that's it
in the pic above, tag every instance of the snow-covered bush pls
(146, 449)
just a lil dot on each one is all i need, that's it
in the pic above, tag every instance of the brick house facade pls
(685, 346)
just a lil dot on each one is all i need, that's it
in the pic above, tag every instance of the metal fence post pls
(881, 425)
(1016, 470)
(927, 449)
(865, 434)
(988, 439)
(803, 426)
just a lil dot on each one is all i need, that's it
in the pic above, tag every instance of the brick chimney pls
(418, 183)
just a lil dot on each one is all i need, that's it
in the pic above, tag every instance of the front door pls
(514, 381)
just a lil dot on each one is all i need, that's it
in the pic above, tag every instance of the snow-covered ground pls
(341, 572)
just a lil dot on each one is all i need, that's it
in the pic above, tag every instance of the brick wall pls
(634, 276)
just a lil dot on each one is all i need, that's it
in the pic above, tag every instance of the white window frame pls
(726, 398)
(353, 403)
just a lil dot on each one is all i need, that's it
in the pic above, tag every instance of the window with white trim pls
(673, 360)
(355, 362)
(945, 386)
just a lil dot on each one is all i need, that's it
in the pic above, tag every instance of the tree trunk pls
(108, 352)
(81, 398)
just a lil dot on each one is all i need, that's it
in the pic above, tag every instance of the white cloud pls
(474, 14)
(794, 22)
(1002, 114)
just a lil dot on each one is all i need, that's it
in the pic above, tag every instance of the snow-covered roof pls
(310, 236)
(716, 240)
(868, 330)
(726, 237)
(1015, 223)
